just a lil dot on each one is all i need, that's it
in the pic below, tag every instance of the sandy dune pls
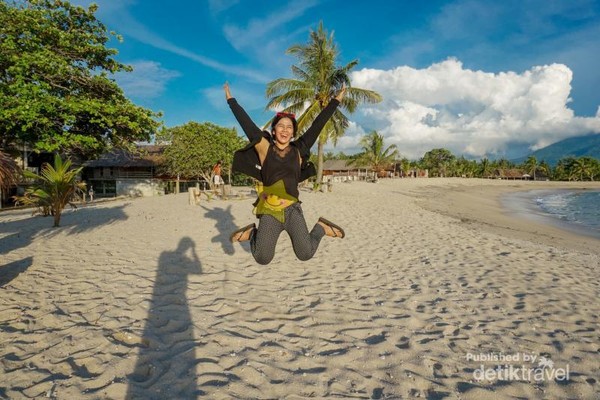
(147, 299)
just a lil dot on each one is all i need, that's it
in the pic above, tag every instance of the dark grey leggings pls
(265, 238)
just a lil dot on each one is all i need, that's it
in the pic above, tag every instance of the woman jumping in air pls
(280, 163)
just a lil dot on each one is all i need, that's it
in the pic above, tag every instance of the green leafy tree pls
(569, 167)
(589, 167)
(485, 168)
(53, 188)
(318, 77)
(338, 156)
(503, 164)
(584, 168)
(405, 165)
(329, 156)
(545, 169)
(196, 147)
(375, 154)
(56, 86)
(563, 170)
(557, 172)
(595, 169)
(473, 169)
(464, 168)
(531, 166)
(438, 161)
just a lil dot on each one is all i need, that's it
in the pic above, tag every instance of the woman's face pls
(284, 130)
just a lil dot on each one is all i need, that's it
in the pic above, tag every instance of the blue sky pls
(482, 78)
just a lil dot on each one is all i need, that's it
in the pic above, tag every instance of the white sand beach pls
(434, 286)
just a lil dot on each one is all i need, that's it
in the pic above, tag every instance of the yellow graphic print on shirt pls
(273, 200)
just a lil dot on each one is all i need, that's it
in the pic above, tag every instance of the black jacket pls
(246, 160)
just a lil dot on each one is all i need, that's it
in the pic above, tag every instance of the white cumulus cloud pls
(471, 113)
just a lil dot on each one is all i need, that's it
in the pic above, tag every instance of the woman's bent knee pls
(263, 259)
(304, 257)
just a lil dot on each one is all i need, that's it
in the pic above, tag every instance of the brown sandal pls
(333, 226)
(238, 236)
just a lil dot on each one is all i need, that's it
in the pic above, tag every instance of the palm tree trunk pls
(56, 218)
(320, 147)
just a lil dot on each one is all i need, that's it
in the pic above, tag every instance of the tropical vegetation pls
(194, 148)
(375, 155)
(53, 189)
(57, 92)
(9, 171)
(439, 162)
(9, 174)
(442, 163)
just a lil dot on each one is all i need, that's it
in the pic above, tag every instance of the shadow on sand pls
(166, 363)
(10, 271)
(23, 228)
(18, 229)
(224, 224)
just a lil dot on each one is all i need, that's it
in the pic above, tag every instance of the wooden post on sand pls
(193, 196)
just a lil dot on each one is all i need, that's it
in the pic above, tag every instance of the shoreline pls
(524, 204)
(485, 205)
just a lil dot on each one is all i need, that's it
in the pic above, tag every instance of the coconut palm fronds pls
(9, 171)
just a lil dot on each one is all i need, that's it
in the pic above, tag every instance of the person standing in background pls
(217, 179)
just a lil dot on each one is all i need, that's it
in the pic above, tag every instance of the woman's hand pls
(341, 93)
(227, 92)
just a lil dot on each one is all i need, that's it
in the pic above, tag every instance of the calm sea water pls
(580, 208)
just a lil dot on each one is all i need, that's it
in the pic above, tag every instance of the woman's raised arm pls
(252, 131)
(306, 141)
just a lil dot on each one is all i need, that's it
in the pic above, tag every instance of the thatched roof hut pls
(509, 173)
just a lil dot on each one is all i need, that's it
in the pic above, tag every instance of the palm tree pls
(485, 168)
(531, 165)
(582, 167)
(564, 169)
(317, 79)
(464, 168)
(590, 166)
(504, 164)
(9, 173)
(53, 189)
(374, 154)
(405, 165)
(472, 168)
(545, 169)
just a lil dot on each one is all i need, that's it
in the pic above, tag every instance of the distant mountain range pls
(579, 146)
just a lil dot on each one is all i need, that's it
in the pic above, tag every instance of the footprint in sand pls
(376, 339)
(404, 343)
